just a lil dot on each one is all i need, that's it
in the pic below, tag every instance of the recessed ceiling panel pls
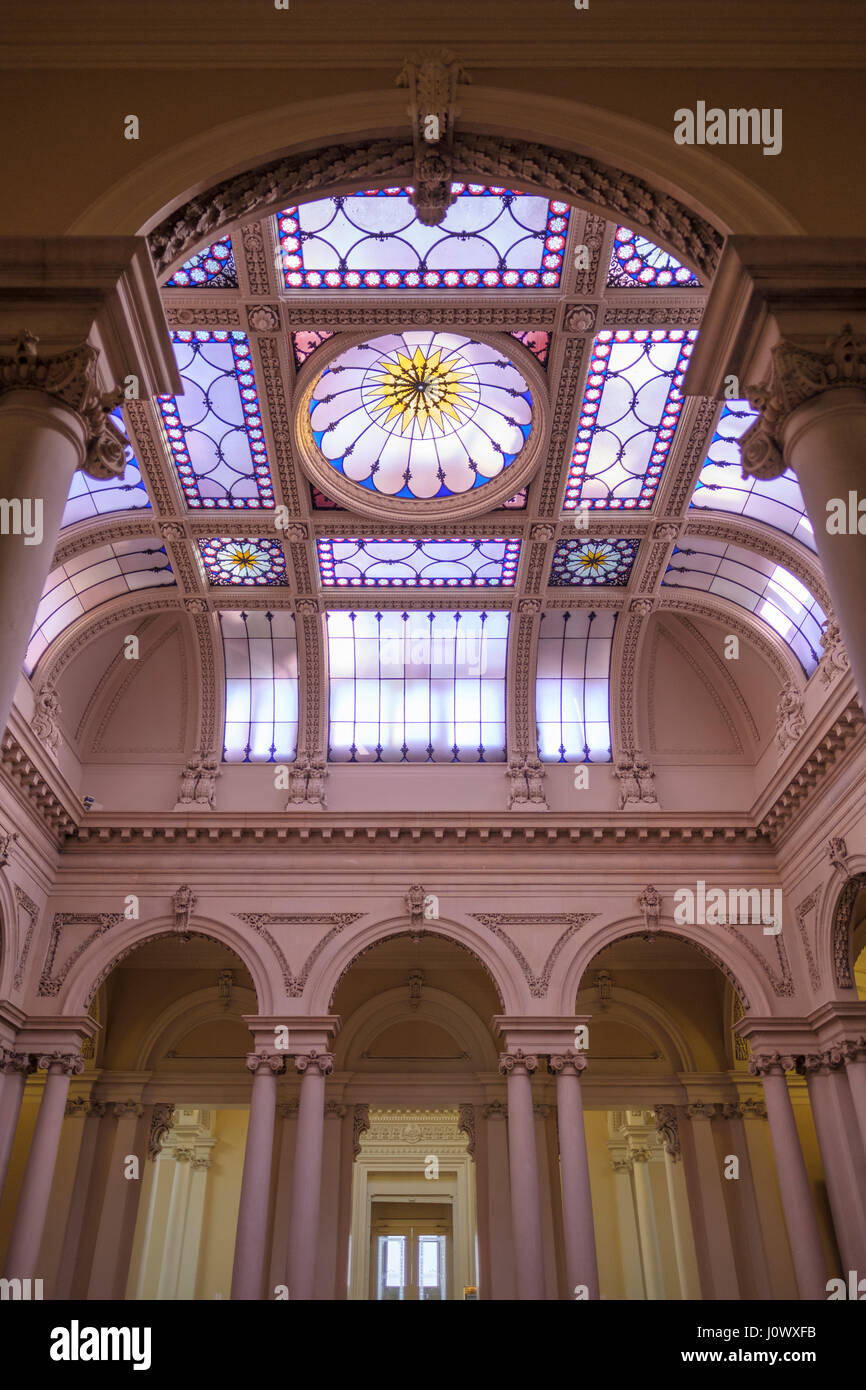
(370, 562)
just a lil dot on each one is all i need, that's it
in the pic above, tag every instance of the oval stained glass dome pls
(421, 414)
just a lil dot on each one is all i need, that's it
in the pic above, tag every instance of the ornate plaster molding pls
(51, 981)
(497, 921)
(841, 932)
(259, 921)
(25, 904)
(801, 912)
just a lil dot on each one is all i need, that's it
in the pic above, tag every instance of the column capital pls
(853, 1049)
(288, 1109)
(495, 1110)
(71, 1063)
(703, 1110)
(266, 1061)
(71, 379)
(771, 1063)
(567, 1063)
(820, 1063)
(518, 1061)
(315, 1061)
(123, 1108)
(11, 1061)
(334, 1110)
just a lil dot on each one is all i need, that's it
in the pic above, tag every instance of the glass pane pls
(392, 1268)
(431, 1267)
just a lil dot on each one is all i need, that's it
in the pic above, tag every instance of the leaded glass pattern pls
(537, 342)
(490, 238)
(722, 487)
(92, 578)
(631, 405)
(213, 267)
(421, 414)
(753, 582)
(375, 562)
(636, 260)
(572, 687)
(261, 666)
(591, 562)
(305, 342)
(89, 497)
(321, 503)
(417, 687)
(214, 429)
(244, 560)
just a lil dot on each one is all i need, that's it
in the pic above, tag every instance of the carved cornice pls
(41, 797)
(797, 375)
(814, 770)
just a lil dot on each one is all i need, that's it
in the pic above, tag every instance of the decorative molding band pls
(814, 769)
(27, 905)
(801, 913)
(260, 921)
(843, 966)
(27, 778)
(51, 982)
(497, 921)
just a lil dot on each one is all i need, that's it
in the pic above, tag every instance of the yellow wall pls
(221, 1204)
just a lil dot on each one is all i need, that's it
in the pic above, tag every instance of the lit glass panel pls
(214, 429)
(213, 267)
(391, 1275)
(243, 560)
(589, 562)
(304, 343)
(630, 409)
(638, 261)
(98, 496)
(722, 487)
(755, 583)
(417, 687)
(489, 238)
(93, 578)
(537, 342)
(321, 503)
(431, 1268)
(421, 414)
(370, 562)
(261, 664)
(572, 686)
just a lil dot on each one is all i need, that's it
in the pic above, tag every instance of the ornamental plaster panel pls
(259, 921)
(122, 674)
(196, 315)
(684, 467)
(26, 908)
(271, 371)
(51, 980)
(335, 312)
(802, 911)
(564, 405)
(497, 921)
(841, 937)
(255, 263)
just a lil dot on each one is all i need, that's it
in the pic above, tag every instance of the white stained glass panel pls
(755, 583)
(261, 664)
(89, 497)
(417, 687)
(722, 487)
(572, 689)
(370, 562)
(94, 577)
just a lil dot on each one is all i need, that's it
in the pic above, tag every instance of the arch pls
(640, 154)
(9, 945)
(648, 1017)
(836, 949)
(736, 966)
(93, 966)
(447, 1010)
(184, 1014)
(334, 962)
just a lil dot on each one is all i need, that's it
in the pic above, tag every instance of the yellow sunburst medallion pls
(421, 388)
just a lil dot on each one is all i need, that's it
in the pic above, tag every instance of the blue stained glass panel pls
(98, 496)
(722, 487)
(636, 260)
(631, 405)
(213, 267)
(243, 560)
(214, 429)
(371, 562)
(755, 583)
(261, 666)
(572, 686)
(417, 687)
(490, 238)
(592, 562)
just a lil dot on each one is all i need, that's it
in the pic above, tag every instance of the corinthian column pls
(518, 1067)
(779, 320)
(579, 1230)
(32, 1210)
(307, 1175)
(249, 1266)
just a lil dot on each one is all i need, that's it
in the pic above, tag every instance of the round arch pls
(9, 944)
(625, 154)
(647, 1017)
(180, 1017)
(834, 937)
(737, 967)
(95, 965)
(445, 1010)
(339, 956)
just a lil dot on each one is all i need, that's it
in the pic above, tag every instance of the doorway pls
(410, 1255)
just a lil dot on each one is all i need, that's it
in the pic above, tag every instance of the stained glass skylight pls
(92, 578)
(305, 342)
(417, 687)
(98, 496)
(631, 406)
(490, 238)
(321, 503)
(243, 560)
(572, 688)
(638, 261)
(421, 414)
(755, 583)
(213, 267)
(214, 429)
(537, 342)
(722, 487)
(261, 665)
(588, 562)
(371, 562)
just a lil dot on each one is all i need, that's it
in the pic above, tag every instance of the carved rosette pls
(312, 1061)
(797, 375)
(511, 1063)
(265, 1061)
(567, 1063)
(70, 377)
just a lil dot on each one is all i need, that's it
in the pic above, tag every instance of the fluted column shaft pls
(251, 1240)
(578, 1227)
(32, 1210)
(307, 1175)
(523, 1164)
